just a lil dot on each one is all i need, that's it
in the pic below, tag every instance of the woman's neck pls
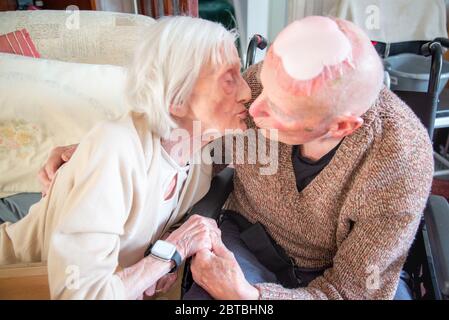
(182, 144)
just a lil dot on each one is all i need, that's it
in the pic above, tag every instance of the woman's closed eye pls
(229, 82)
(229, 78)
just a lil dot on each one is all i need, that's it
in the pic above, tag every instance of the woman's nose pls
(244, 92)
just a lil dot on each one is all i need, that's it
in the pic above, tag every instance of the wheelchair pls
(426, 269)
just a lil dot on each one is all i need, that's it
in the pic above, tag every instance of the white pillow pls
(46, 103)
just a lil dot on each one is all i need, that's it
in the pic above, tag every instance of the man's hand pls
(58, 156)
(219, 273)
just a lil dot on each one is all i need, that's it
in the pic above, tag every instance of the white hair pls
(166, 66)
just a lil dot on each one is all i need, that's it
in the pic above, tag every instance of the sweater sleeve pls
(84, 249)
(369, 260)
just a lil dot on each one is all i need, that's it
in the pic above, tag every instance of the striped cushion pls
(18, 42)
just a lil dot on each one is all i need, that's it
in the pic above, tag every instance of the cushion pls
(96, 37)
(18, 42)
(47, 103)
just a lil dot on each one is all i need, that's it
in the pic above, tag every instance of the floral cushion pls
(47, 103)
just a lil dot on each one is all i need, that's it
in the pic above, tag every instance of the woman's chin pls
(242, 125)
(234, 125)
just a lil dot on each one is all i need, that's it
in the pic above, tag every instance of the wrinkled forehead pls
(219, 66)
(278, 98)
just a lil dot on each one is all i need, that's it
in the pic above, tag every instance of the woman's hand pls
(166, 282)
(58, 156)
(163, 285)
(194, 224)
(194, 235)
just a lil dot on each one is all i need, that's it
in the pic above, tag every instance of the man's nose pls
(256, 110)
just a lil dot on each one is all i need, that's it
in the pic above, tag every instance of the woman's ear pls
(179, 110)
(343, 126)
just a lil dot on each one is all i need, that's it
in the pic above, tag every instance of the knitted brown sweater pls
(358, 217)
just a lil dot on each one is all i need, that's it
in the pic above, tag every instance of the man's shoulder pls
(394, 171)
(398, 152)
(395, 127)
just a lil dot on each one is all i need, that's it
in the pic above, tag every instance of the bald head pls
(327, 60)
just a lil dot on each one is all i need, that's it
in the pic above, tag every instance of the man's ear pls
(343, 126)
(179, 110)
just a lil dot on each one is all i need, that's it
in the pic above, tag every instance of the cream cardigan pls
(100, 212)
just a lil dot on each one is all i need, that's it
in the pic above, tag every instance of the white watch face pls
(163, 249)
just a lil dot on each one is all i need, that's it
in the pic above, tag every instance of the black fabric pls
(176, 258)
(399, 47)
(270, 254)
(305, 169)
(423, 104)
(437, 224)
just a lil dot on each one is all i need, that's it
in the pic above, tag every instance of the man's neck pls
(317, 149)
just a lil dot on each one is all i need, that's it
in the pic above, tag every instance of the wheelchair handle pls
(434, 49)
(256, 42)
(443, 41)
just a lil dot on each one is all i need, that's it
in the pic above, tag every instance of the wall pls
(126, 6)
(265, 17)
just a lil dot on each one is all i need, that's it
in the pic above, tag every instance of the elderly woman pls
(100, 224)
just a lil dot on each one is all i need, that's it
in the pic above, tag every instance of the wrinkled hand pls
(162, 286)
(58, 156)
(166, 282)
(194, 235)
(219, 273)
(147, 293)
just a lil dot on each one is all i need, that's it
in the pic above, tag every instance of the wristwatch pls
(165, 251)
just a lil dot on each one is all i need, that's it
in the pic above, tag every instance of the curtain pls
(298, 9)
(383, 20)
(126, 6)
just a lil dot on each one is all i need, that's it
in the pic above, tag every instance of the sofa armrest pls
(27, 281)
(221, 187)
(436, 218)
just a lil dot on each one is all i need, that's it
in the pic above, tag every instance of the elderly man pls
(355, 167)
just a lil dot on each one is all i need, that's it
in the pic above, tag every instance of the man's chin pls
(275, 135)
(270, 134)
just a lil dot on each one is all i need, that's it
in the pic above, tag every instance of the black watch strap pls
(176, 258)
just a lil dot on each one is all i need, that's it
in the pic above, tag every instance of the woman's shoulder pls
(116, 136)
